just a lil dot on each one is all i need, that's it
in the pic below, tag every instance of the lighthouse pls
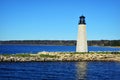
(82, 37)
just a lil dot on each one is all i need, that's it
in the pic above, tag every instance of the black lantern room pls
(82, 20)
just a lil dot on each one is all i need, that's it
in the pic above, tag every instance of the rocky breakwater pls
(64, 56)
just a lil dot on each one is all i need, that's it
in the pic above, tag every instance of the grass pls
(90, 53)
(47, 55)
(17, 55)
(22, 55)
(95, 53)
(54, 56)
(105, 52)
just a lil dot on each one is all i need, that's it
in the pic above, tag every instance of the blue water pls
(6, 49)
(60, 71)
(56, 70)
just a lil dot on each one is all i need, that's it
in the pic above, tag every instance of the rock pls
(62, 57)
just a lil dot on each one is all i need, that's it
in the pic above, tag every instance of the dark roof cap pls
(82, 16)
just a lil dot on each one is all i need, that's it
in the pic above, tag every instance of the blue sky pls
(58, 19)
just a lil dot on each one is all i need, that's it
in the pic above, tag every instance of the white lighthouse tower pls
(82, 38)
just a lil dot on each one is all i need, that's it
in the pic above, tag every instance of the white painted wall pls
(82, 39)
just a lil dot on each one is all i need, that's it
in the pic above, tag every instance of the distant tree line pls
(63, 42)
(40, 42)
(104, 43)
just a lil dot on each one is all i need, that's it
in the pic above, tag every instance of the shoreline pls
(61, 57)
